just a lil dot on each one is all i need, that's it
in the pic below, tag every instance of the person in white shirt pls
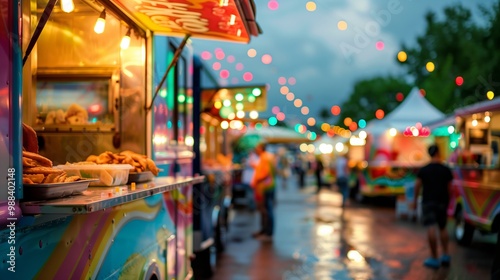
(342, 175)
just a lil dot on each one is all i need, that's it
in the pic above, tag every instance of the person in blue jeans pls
(435, 181)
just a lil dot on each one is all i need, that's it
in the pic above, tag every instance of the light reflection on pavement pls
(316, 239)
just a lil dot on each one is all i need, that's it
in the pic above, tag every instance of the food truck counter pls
(475, 176)
(99, 198)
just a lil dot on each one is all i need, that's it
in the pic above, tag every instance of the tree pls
(372, 94)
(454, 46)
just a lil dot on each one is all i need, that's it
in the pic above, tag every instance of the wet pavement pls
(316, 239)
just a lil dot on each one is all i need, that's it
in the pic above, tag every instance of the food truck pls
(396, 147)
(475, 202)
(99, 126)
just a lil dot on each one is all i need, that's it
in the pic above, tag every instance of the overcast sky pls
(325, 61)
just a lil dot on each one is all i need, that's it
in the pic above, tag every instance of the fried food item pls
(71, 179)
(103, 158)
(28, 162)
(41, 170)
(92, 158)
(34, 178)
(27, 181)
(152, 167)
(30, 141)
(51, 178)
(76, 114)
(40, 159)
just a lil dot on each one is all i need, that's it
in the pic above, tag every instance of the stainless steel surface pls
(96, 199)
(140, 177)
(55, 190)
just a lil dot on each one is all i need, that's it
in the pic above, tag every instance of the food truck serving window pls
(73, 102)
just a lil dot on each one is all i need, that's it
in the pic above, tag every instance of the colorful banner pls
(209, 19)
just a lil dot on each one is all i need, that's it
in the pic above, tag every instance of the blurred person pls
(263, 183)
(318, 171)
(284, 169)
(249, 164)
(342, 175)
(435, 181)
(300, 169)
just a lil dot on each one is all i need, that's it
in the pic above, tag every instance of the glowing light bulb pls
(125, 43)
(67, 6)
(100, 23)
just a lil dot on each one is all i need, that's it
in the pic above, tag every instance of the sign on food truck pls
(211, 19)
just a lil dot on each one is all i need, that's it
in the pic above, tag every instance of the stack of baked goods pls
(141, 163)
(38, 169)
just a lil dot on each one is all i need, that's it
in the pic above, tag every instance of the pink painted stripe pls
(76, 249)
(97, 232)
(490, 206)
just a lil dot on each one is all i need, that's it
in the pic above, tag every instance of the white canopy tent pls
(414, 109)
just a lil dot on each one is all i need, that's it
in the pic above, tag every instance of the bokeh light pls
(290, 96)
(239, 106)
(490, 94)
(273, 5)
(240, 114)
(422, 92)
(275, 110)
(297, 102)
(234, 80)
(224, 125)
(399, 96)
(402, 56)
(379, 45)
(267, 59)
(280, 116)
(247, 76)
(205, 55)
(459, 81)
(347, 121)
(353, 126)
(325, 126)
(335, 110)
(311, 6)
(379, 114)
(272, 121)
(239, 66)
(253, 114)
(282, 81)
(311, 121)
(342, 25)
(292, 81)
(430, 66)
(219, 54)
(362, 123)
(224, 74)
(251, 52)
(284, 90)
(304, 110)
(217, 104)
(231, 59)
(216, 66)
(226, 103)
(239, 97)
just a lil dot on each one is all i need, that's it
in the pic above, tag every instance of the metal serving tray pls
(140, 177)
(55, 190)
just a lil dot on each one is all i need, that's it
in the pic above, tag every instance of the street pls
(316, 239)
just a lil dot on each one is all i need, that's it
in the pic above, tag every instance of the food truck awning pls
(252, 98)
(480, 107)
(229, 20)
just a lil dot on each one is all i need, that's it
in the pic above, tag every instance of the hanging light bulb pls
(126, 40)
(67, 6)
(100, 23)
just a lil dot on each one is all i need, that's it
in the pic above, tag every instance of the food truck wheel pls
(464, 232)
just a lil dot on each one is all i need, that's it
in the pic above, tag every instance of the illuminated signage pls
(199, 18)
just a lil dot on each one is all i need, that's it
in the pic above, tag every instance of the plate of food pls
(44, 191)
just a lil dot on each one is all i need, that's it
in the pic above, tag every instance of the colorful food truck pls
(476, 198)
(99, 131)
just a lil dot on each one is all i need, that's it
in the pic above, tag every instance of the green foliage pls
(457, 46)
(372, 94)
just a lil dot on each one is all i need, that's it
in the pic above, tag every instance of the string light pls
(67, 6)
(100, 23)
(125, 43)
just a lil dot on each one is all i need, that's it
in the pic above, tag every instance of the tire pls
(463, 231)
